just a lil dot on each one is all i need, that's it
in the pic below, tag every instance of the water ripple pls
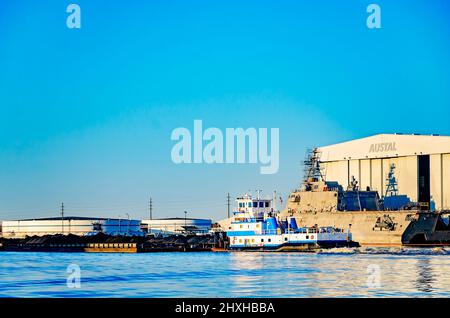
(401, 272)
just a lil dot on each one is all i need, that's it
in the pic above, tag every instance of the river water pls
(362, 272)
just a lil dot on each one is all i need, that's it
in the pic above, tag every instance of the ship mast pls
(392, 185)
(312, 168)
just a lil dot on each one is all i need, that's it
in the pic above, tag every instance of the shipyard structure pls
(90, 226)
(74, 225)
(420, 165)
(177, 225)
(390, 189)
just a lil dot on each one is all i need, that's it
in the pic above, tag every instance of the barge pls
(102, 243)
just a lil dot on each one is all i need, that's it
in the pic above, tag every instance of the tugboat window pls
(267, 204)
(261, 204)
(255, 204)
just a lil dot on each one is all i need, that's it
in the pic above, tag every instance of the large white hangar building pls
(422, 165)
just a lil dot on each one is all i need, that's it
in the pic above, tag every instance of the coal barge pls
(113, 244)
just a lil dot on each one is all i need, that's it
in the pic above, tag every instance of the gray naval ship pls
(388, 221)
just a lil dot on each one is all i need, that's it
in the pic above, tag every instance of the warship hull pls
(383, 228)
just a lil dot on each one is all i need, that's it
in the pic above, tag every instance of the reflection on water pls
(250, 273)
(424, 282)
(398, 272)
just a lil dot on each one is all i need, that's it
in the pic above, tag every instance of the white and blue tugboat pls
(256, 226)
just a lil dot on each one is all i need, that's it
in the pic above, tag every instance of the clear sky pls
(86, 115)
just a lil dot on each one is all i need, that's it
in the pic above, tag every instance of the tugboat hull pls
(298, 247)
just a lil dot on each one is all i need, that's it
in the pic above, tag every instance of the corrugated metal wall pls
(373, 173)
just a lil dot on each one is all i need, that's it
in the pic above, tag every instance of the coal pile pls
(145, 244)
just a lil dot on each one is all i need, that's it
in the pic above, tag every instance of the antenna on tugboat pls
(228, 205)
(274, 201)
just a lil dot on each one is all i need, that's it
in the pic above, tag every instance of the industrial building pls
(70, 225)
(177, 225)
(420, 165)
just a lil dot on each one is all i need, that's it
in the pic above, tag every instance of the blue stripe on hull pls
(241, 233)
(323, 244)
(271, 246)
(266, 247)
(341, 243)
(333, 242)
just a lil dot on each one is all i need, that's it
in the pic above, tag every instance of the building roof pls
(177, 218)
(71, 218)
(178, 221)
(386, 145)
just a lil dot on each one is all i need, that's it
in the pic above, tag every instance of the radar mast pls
(391, 182)
(312, 168)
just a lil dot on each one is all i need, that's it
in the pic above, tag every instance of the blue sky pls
(86, 115)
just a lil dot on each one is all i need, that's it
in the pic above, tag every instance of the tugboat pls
(256, 226)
